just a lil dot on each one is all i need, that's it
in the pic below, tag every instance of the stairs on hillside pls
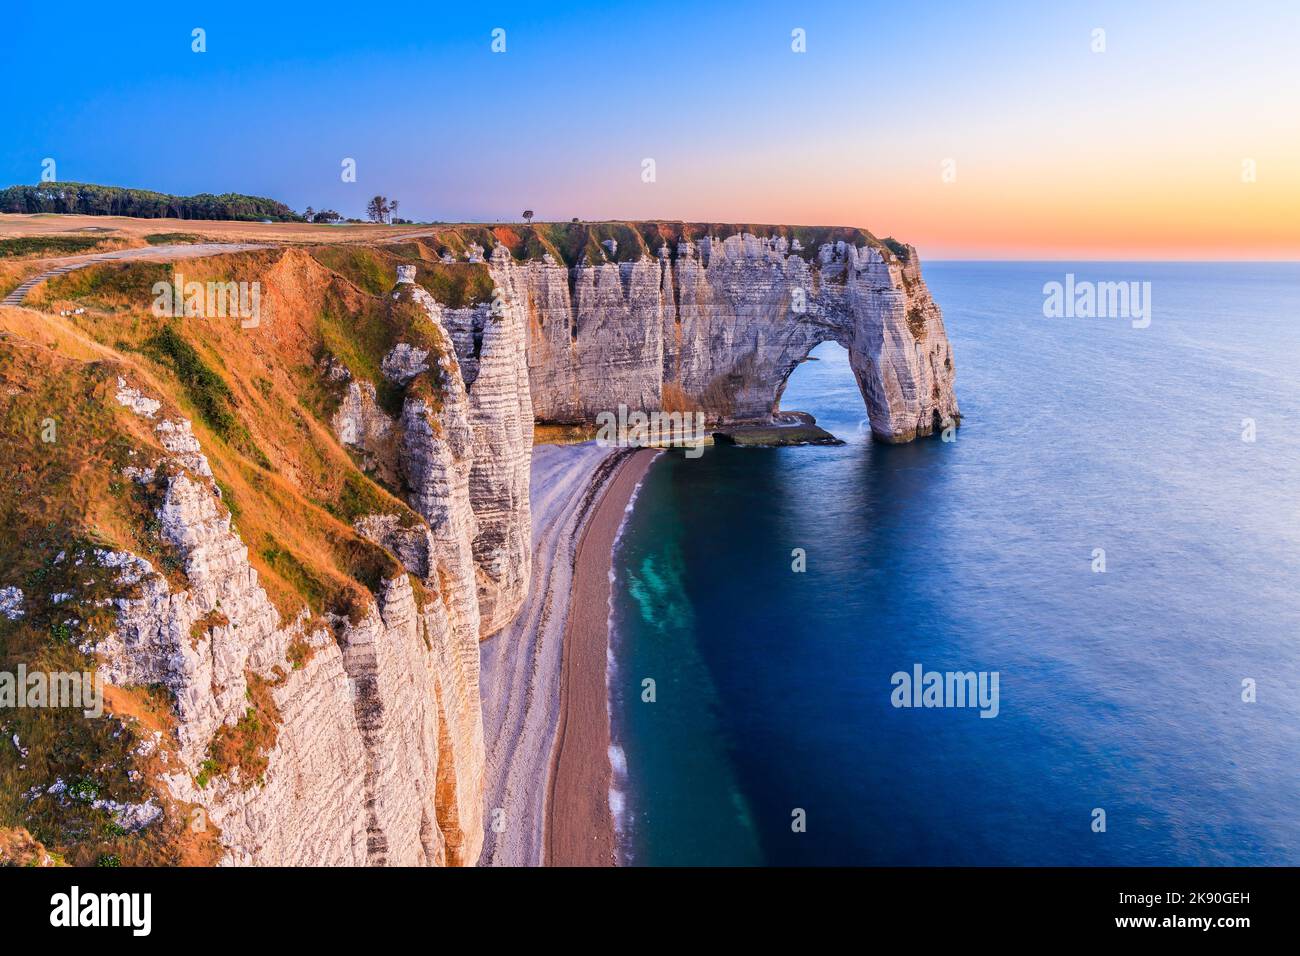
(17, 296)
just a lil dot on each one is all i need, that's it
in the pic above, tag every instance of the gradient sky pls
(1059, 152)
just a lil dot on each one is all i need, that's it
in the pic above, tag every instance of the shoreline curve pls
(579, 824)
(522, 666)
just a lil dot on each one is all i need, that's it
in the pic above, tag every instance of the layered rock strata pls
(378, 741)
(378, 744)
(378, 751)
(482, 372)
(719, 326)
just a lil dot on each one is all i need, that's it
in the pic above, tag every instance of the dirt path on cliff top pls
(191, 250)
(66, 264)
(521, 665)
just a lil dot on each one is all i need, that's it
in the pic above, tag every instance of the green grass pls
(631, 244)
(580, 243)
(458, 286)
(368, 269)
(108, 285)
(207, 770)
(301, 578)
(899, 249)
(47, 245)
(573, 243)
(228, 499)
(361, 497)
(358, 341)
(206, 390)
(171, 238)
(375, 271)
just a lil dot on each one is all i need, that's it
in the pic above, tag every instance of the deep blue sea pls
(1119, 691)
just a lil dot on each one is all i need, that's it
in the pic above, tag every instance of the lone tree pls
(380, 209)
(528, 215)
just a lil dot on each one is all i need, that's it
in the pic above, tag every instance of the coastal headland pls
(343, 603)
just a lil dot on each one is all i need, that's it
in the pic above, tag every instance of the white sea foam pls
(617, 799)
(617, 758)
(617, 761)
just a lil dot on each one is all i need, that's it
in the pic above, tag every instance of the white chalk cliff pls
(378, 752)
(378, 757)
(719, 326)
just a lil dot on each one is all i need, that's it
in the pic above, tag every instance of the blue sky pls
(740, 127)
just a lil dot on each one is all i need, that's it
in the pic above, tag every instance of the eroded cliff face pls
(501, 414)
(322, 692)
(473, 486)
(719, 326)
(372, 725)
(349, 738)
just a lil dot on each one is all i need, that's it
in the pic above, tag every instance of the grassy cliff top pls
(575, 243)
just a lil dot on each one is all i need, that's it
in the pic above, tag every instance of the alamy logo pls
(52, 689)
(922, 688)
(640, 429)
(179, 299)
(1099, 300)
(103, 909)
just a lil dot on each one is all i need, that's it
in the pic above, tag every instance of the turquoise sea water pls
(1119, 691)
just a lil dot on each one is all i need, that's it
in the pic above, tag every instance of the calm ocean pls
(1119, 691)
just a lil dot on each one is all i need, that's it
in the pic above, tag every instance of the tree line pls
(88, 199)
(91, 200)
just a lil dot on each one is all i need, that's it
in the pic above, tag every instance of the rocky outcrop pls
(501, 412)
(719, 326)
(478, 476)
(422, 735)
(308, 806)
(462, 446)
(361, 425)
(435, 449)
(378, 746)
(413, 546)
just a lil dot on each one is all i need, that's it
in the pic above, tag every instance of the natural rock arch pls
(719, 329)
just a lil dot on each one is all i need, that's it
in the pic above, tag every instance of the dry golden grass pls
(291, 489)
(20, 848)
(247, 744)
(550, 433)
(66, 496)
(568, 242)
(14, 225)
(13, 272)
